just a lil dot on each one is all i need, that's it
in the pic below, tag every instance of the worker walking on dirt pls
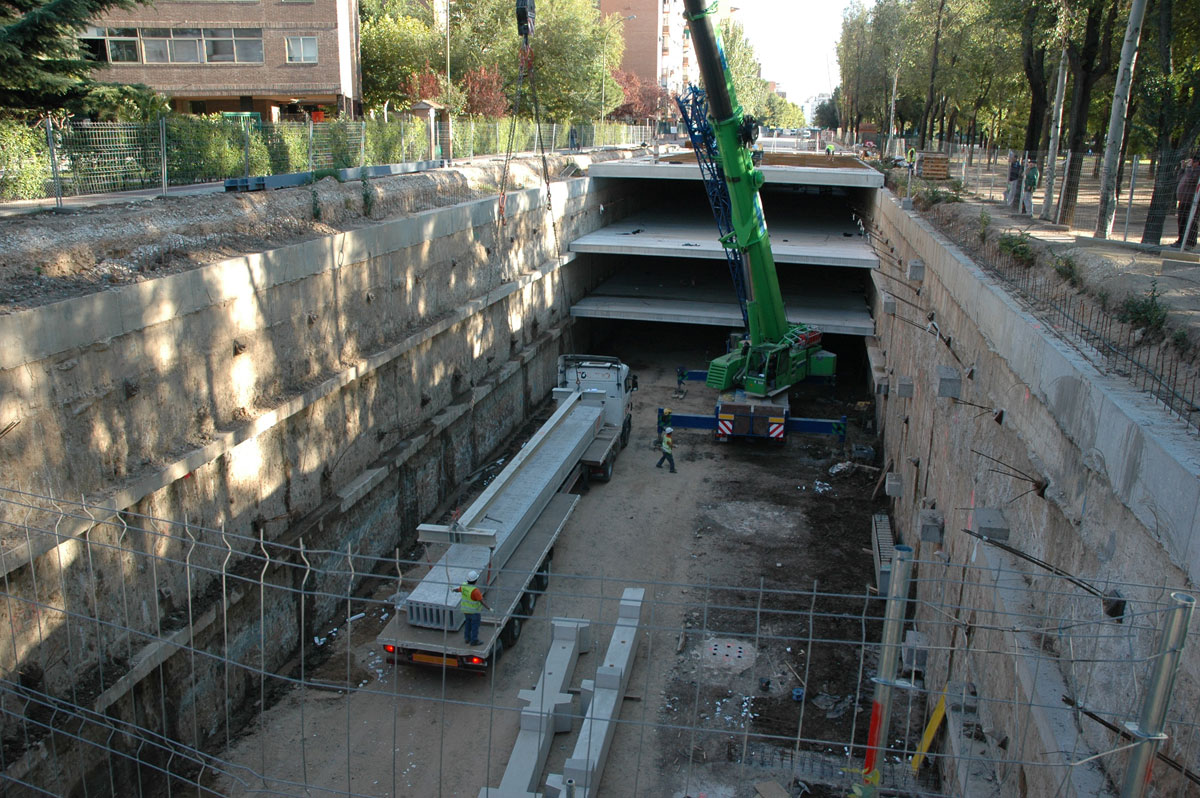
(1032, 176)
(666, 450)
(1014, 181)
(471, 601)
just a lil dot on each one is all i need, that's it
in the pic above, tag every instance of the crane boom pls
(775, 354)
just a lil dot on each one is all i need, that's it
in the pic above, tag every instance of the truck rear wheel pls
(605, 472)
(528, 602)
(497, 650)
(510, 632)
(625, 430)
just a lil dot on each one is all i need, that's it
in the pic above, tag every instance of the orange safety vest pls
(468, 605)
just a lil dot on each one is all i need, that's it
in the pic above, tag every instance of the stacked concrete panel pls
(603, 698)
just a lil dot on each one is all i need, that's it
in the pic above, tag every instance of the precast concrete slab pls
(800, 239)
(508, 507)
(642, 295)
(547, 711)
(583, 769)
(841, 172)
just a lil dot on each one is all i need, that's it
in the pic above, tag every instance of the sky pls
(794, 41)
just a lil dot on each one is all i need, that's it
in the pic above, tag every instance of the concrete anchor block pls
(893, 485)
(916, 270)
(915, 652)
(990, 523)
(933, 526)
(949, 382)
(904, 387)
(889, 304)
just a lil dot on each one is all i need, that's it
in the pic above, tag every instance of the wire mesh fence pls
(149, 656)
(78, 158)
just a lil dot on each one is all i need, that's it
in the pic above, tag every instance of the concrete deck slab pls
(823, 240)
(639, 295)
(841, 172)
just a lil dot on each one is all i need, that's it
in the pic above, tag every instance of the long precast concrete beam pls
(547, 711)
(603, 697)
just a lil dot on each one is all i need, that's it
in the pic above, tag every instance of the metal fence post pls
(56, 179)
(246, 144)
(889, 654)
(1149, 728)
(1132, 186)
(310, 145)
(162, 151)
(362, 144)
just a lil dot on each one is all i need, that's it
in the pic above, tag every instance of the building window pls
(302, 49)
(174, 45)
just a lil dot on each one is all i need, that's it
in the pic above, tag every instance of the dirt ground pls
(48, 257)
(739, 553)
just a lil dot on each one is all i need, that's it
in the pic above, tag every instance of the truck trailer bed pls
(438, 646)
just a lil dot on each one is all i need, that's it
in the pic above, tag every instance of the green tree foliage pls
(576, 53)
(782, 113)
(394, 50)
(42, 67)
(751, 89)
(826, 115)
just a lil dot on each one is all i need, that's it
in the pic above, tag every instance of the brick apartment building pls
(277, 58)
(656, 49)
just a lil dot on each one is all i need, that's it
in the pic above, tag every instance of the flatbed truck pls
(508, 533)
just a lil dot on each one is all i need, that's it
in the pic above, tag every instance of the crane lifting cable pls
(525, 14)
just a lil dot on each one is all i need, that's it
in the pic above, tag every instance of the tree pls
(642, 100)
(751, 89)
(782, 113)
(826, 115)
(394, 50)
(42, 67)
(1169, 90)
(485, 92)
(575, 52)
(1089, 52)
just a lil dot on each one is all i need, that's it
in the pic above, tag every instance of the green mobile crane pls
(774, 354)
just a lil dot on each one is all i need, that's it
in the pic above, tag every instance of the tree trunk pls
(1162, 199)
(1033, 59)
(933, 64)
(1089, 62)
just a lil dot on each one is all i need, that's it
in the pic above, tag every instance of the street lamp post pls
(604, 70)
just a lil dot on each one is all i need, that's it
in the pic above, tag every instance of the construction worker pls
(829, 150)
(666, 450)
(471, 601)
(664, 421)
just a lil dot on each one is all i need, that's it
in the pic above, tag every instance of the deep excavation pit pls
(339, 391)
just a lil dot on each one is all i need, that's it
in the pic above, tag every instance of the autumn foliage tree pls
(485, 92)
(642, 100)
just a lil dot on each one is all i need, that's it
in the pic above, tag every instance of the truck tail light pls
(476, 660)
(390, 649)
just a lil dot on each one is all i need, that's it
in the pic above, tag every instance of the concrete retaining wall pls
(1120, 506)
(332, 392)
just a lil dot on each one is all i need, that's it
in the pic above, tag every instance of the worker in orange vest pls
(469, 604)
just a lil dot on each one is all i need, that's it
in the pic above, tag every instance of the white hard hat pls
(472, 576)
(669, 430)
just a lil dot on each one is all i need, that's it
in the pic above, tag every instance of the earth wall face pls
(332, 393)
(1120, 483)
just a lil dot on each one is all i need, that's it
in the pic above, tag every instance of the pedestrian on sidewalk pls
(469, 604)
(1185, 193)
(1032, 176)
(666, 450)
(1014, 179)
